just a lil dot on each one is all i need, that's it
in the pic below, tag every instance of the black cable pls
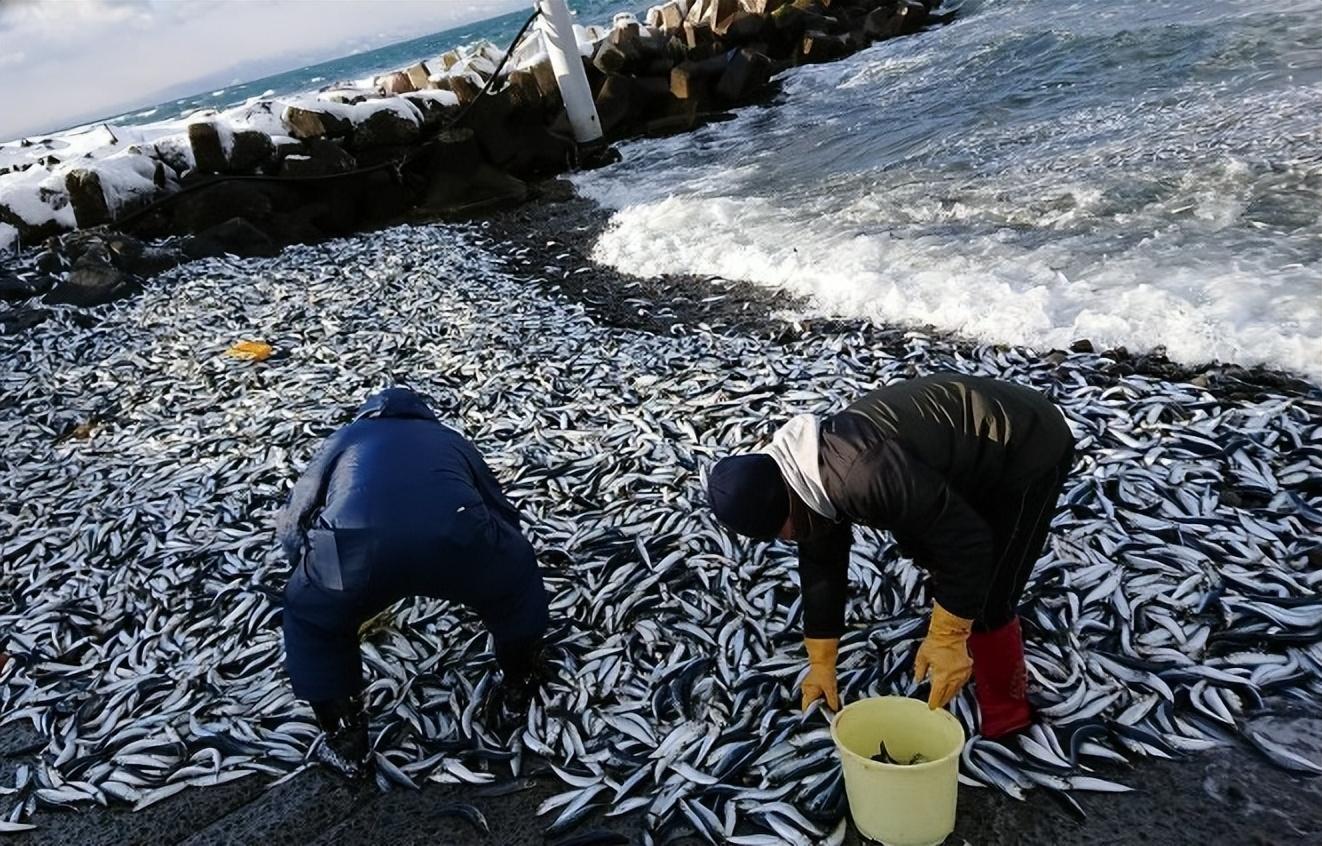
(495, 75)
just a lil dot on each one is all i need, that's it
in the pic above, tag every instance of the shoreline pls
(560, 228)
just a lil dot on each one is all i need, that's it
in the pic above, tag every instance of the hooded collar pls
(395, 402)
(794, 449)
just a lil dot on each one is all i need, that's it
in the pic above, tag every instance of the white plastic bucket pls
(895, 804)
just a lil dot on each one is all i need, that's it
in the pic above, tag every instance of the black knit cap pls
(748, 495)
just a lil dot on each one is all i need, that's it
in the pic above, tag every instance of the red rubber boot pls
(998, 680)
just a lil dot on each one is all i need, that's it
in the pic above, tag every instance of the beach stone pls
(233, 237)
(87, 197)
(544, 74)
(1083, 345)
(822, 47)
(419, 75)
(309, 123)
(465, 89)
(523, 88)
(434, 112)
(22, 286)
(385, 128)
(744, 75)
(319, 157)
(697, 35)
(615, 102)
(208, 152)
(29, 233)
(609, 58)
(15, 320)
(462, 193)
(250, 151)
(744, 27)
(49, 261)
(93, 281)
(672, 16)
(204, 208)
(395, 83)
(694, 80)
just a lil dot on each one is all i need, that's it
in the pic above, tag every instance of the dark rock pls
(615, 103)
(696, 35)
(385, 128)
(610, 59)
(93, 282)
(87, 198)
(206, 207)
(49, 261)
(1082, 345)
(124, 251)
(544, 74)
(556, 191)
(319, 157)
(435, 114)
(822, 47)
(309, 123)
(22, 286)
(744, 75)
(154, 260)
(455, 152)
(694, 80)
(233, 237)
(251, 151)
(208, 152)
(480, 189)
(913, 17)
(743, 28)
(16, 320)
(523, 88)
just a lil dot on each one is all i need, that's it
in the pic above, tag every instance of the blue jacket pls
(395, 505)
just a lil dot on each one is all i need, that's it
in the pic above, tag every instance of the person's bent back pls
(395, 505)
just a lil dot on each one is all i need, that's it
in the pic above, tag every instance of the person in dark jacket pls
(395, 505)
(965, 473)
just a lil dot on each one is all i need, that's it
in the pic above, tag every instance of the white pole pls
(568, 66)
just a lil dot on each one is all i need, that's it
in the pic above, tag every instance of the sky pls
(67, 61)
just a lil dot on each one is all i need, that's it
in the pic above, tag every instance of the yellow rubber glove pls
(945, 653)
(820, 680)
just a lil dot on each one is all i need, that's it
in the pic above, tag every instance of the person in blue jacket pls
(394, 505)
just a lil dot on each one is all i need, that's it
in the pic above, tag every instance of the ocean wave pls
(1136, 181)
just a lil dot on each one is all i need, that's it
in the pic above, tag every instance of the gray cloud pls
(69, 60)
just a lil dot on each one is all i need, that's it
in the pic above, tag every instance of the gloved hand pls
(820, 681)
(344, 747)
(945, 653)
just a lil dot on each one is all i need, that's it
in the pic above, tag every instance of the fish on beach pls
(1177, 593)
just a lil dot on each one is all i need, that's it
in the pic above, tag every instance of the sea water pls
(1138, 174)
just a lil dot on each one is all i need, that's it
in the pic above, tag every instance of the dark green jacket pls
(923, 459)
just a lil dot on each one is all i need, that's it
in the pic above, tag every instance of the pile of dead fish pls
(143, 468)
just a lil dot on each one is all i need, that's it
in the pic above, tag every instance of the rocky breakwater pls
(450, 137)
